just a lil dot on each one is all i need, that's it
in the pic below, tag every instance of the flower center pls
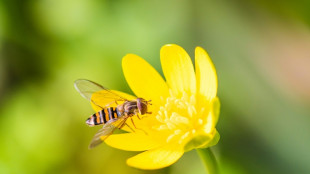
(178, 116)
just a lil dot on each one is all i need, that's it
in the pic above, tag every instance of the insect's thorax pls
(129, 108)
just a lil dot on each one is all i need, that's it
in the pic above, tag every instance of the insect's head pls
(142, 105)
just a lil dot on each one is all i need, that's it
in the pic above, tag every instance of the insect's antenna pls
(149, 102)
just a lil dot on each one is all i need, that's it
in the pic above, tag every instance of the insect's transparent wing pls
(96, 93)
(106, 131)
(86, 88)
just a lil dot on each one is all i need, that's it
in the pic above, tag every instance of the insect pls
(111, 117)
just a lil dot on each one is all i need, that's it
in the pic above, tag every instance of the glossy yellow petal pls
(105, 98)
(198, 141)
(210, 126)
(211, 114)
(216, 110)
(157, 158)
(143, 79)
(132, 141)
(178, 69)
(205, 74)
(215, 139)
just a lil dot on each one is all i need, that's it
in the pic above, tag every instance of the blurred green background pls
(261, 50)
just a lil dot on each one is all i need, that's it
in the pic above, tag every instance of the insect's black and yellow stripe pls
(103, 116)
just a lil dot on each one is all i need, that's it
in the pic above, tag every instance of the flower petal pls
(215, 139)
(205, 74)
(198, 141)
(178, 69)
(131, 141)
(104, 98)
(143, 79)
(216, 109)
(157, 158)
(213, 116)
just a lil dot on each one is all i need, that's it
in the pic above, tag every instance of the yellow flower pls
(184, 112)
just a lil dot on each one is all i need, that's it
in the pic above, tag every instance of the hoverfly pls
(111, 117)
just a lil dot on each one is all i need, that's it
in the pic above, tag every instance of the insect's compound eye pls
(142, 107)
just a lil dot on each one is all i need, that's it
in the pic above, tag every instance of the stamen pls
(170, 125)
(160, 118)
(166, 114)
(202, 110)
(184, 96)
(183, 120)
(181, 104)
(190, 112)
(162, 99)
(170, 137)
(193, 131)
(163, 127)
(179, 116)
(174, 116)
(162, 109)
(193, 99)
(178, 131)
(171, 93)
(183, 137)
(194, 110)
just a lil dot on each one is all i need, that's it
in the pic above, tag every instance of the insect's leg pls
(136, 127)
(129, 127)
(149, 102)
(144, 116)
(133, 122)
(121, 125)
(138, 117)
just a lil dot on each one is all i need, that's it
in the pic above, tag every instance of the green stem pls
(209, 160)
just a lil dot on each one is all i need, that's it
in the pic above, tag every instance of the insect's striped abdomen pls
(103, 116)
